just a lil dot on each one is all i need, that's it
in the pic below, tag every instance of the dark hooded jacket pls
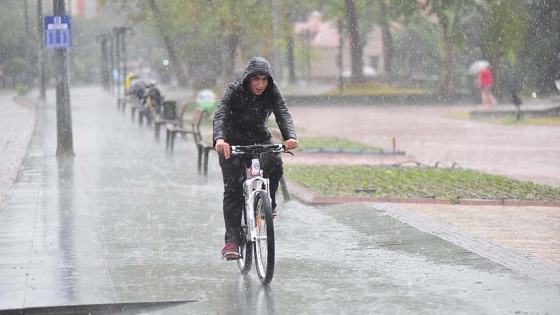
(241, 117)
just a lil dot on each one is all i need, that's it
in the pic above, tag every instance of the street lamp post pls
(120, 36)
(104, 62)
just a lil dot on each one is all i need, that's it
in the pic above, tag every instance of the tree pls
(159, 20)
(541, 54)
(356, 50)
(448, 13)
(239, 34)
(359, 20)
(389, 11)
(150, 11)
(504, 24)
(208, 35)
(388, 49)
(293, 11)
(12, 45)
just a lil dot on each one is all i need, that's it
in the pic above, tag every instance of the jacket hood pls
(257, 65)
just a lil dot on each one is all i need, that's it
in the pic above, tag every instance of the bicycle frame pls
(250, 190)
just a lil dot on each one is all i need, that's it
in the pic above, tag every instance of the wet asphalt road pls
(125, 227)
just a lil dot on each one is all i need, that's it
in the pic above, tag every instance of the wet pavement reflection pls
(124, 227)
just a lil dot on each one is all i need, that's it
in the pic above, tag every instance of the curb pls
(309, 197)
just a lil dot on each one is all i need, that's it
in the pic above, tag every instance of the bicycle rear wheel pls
(245, 260)
(264, 245)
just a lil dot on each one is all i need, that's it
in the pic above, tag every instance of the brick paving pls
(481, 240)
(532, 230)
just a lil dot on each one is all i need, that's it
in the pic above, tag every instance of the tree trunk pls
(176, 64)
(496, 76)
(355, 45)
(230, 58)
(388, 48)
(447, 86)
(290, 58)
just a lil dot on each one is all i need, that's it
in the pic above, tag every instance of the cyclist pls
(241, 119)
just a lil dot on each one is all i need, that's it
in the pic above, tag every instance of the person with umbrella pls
(484, 81)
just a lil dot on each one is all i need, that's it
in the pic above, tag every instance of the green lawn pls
(451, 184)
(306, 143)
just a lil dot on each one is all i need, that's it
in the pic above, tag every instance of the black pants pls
(233, 172)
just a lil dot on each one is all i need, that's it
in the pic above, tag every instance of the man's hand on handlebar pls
(291, 144)
(223, 148)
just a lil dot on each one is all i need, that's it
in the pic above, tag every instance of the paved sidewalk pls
(17, 122)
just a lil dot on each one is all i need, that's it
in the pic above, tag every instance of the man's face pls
(258, 83)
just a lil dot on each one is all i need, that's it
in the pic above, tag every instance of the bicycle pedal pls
(232, 258)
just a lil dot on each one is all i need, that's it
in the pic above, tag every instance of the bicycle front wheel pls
(245, 260)
(264, 245)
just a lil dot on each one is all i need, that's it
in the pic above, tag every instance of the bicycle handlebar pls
(258, 148)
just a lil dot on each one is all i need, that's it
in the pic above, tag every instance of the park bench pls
(134, 106)
(203, 147)
(128, 99)
(179, 128)
(122, 101)
(143, 113)
(168, 114)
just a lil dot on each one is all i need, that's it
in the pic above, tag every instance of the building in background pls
(83, 8)
(319, 43)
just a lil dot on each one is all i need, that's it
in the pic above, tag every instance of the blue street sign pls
(57, 32)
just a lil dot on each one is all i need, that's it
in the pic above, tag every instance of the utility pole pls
(42, 83)
(65, 144)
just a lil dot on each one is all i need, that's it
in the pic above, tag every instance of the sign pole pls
(65, 145)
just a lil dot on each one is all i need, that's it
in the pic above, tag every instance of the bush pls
(22, 90)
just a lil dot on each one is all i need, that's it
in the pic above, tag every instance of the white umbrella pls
(478, 65)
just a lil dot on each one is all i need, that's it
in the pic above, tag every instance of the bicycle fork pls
(251, 187)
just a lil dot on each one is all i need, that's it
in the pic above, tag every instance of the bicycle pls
(257, 228)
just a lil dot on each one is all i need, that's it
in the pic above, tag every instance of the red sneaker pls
(230, 251)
